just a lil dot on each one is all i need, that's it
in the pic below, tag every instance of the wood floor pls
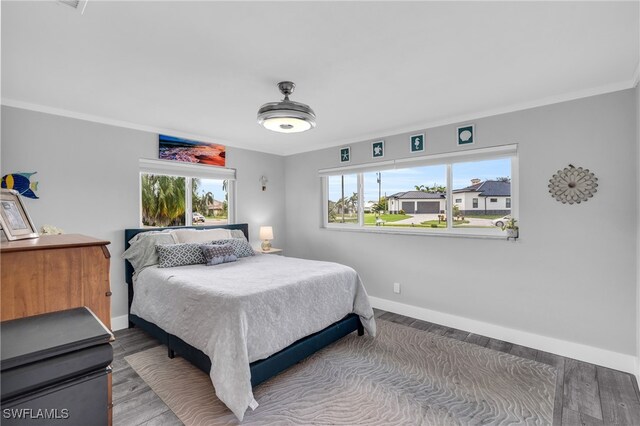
(586, 394)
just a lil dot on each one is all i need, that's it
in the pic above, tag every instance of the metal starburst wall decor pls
(573, 185)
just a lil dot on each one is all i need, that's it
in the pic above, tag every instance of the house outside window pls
(410, 195)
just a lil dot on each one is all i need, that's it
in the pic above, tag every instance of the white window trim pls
(505, 151)
(188, 171)
(177, 168)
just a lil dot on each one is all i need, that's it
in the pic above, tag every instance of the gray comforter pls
(241, 312)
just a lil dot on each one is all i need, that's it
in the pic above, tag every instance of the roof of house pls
(421, 195)
(488, 188)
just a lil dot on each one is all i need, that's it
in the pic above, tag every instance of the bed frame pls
(260, 370)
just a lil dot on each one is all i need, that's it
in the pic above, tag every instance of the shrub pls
(402, 212)
(456, 210)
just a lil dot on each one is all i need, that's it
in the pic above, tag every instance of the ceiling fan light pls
(287, 124)
(286, 116)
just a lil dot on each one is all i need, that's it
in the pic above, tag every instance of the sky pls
(400, 180)
(212, 185)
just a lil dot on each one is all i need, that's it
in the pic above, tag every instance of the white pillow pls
(199, 236)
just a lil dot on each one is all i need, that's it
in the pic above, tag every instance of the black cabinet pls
(54, 369)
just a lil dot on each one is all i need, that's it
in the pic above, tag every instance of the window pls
(210, 201)
(489, 183)
(168, 191)
(410, 195)
(342, 202)
(163, 200)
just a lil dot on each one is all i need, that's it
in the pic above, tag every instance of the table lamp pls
(266, 235)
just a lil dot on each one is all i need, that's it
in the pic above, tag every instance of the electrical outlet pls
(396, 288)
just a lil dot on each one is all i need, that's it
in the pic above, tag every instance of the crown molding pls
(414, 128)
(419, 127)
(117, 123)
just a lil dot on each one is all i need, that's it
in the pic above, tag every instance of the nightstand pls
(272, 251)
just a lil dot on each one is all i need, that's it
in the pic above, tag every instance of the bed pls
(274, 319)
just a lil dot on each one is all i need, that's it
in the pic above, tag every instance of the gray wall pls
(88, 180)
(571, 275)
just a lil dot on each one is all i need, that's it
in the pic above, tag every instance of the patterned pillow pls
(170, 255)
(217, 254)
(241, 247)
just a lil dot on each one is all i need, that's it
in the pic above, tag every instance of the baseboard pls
(119, 323)
(593, 355)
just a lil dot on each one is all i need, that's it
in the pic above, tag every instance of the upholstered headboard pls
(130, 233)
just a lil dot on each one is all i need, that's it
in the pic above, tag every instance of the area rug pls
(402, 377)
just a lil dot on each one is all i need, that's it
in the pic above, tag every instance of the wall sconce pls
(263, 182)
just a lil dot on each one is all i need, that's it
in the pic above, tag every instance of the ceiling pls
(368, 69)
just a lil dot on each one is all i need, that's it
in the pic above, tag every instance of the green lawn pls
(370, 218)
(348, 218)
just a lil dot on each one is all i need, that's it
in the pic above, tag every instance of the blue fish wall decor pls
(20, 182)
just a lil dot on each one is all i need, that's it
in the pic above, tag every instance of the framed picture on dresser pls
(14, 219)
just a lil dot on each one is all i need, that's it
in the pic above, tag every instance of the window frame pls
(189, 172)
(325, 203)
(448, 160)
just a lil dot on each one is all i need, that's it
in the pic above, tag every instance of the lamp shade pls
(266, 233)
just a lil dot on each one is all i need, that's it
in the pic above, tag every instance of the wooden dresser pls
(55, 272)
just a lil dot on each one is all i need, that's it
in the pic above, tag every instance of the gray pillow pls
(217, 254)
(241, 247)
(171, 255)
(237, 233)
(142, 250)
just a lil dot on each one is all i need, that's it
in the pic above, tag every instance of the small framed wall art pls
(377, 149)
(465, 135)
(345, 154)
(14, 219)
(416, 143)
